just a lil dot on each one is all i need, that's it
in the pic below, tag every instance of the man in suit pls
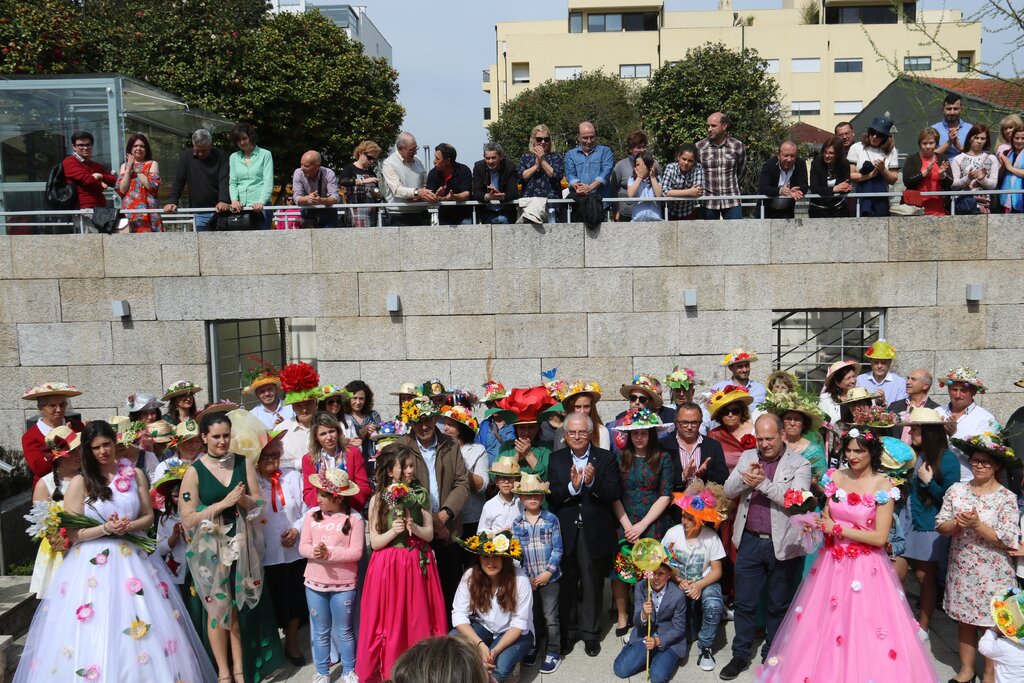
(919, 383)
(584, 485)
(667, 642)
(768, 550)
(495, 180)
(691, 454)
(440, 468)
(784, 181)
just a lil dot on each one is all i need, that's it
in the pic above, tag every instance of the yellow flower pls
(515, 549)
(126, 549)
(473, 542)
(488, 548)
(138, 629)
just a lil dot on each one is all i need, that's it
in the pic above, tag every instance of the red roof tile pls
(1007, 94)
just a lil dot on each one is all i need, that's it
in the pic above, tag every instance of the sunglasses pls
(639, 398)
(369, 157)
(732, 410)
(543, 139)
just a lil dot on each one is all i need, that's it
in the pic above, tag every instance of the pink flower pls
(92, 673)
(830, 489)
(122, 485)
(133, 586)
(102, 558)
(85, 612)
(163, 588)
(170, 647)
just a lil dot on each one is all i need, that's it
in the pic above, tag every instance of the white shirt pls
(975, 420)
(164, 529)
(579, 463)
(475, 457)
(295, 444)
(44, 428)
(692, 557)
(269, 417)
(498, 515)
(288, 516)
(1007, 655)
(858, 154)
(496, 620)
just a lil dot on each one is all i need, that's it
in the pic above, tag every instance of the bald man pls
(784, 181)
(314, 185)
(724, 159)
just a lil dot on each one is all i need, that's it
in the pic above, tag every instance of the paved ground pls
(578, 667)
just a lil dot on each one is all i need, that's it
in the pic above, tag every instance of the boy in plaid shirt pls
(538, 532)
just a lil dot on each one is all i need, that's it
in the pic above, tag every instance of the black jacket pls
(768, 185)
(593, 503)
(819, 185)
(710, 449)
(912, 175)
(508, 182)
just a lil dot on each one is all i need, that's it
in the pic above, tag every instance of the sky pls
(440, 50)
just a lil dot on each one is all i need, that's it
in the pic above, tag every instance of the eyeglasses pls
(83, 145)
(793, 419)
(578, 432)
(639, 398)
(688, 423)
(982, 464)
(732, 410)
(547, 139)
(63, 404)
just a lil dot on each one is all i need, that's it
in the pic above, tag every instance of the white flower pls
(500, 543)
(855, 586)
(853, 433)
(895, 494)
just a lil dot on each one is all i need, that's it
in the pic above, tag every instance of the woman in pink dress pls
(402, 601)
(850, 620)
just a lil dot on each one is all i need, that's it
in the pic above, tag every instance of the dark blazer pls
(912, 175)
(669, 619)
(901, 406)
(710, 449)
(508, 182)
(768, 185)
(819, 185)
(593, 503)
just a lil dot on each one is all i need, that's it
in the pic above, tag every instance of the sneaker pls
(531, 657)
(350, 677)
(734, 668)
(551, 662)
(923, 635)
(730, 614)
(706, 660)
(320, 678)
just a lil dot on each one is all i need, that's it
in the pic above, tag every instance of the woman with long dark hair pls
(138, 184)
(109, 613)
(830, 178)
(181, 402)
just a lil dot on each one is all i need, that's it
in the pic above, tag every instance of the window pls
(231, 342)
(564, 73)
(772, 66)
(634, 71)
(520, 72)
(809, 65)
(807, 342)
(917, 63)
(848, 66)
(575, 22)
(626, 21)
(595, 23)
(487, 113)
(964, 61)
(806, 108)
(851, 107)
(613, 23)
(878, 14)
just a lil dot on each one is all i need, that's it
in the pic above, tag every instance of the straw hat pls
(505, 466)
(418, 408)
(407, 389)
(645, 384)
(335, 482)
(50, 389)
(730, 393)
(881, 350)
(139, 402)
(331, 390)
(780, 404)
(175, 472)
(1008, 613)
(500, 544)
(128, 432)
(922, 416)
(264, 373)
(644, 418)
(839, 365)
(739, 355)
(463, 419)
(179, 388)
(218, 407)
(160, 431)
(530, 484)
(857, 394)
(183, 431)
(965, 375)
(62, 440)
(990, 443)
(581, 387)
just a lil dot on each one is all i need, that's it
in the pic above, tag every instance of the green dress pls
(262, 653)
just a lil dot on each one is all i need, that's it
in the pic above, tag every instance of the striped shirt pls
(542, 544)
(724, 165)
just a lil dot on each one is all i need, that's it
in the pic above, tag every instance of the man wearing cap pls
(964, 418)
(768, 550)
(266, 384)
(585, 484)
(879, 378)
(52, 401)
(738, 361)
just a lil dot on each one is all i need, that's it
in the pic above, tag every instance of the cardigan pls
(252, 183)
(926, 499)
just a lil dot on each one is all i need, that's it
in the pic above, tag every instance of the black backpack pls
(60, 194)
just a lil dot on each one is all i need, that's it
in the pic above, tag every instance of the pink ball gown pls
(850, 620)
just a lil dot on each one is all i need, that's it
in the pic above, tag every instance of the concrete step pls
(17, 605)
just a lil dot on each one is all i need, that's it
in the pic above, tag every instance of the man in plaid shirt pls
(724, 160)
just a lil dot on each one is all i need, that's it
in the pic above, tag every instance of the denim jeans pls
(509, 657)
(633, 660)
(203, 221)
(545, 600)
(330, 616)
(733, 213)
(492, 217)
(705, 614)
(756, 567)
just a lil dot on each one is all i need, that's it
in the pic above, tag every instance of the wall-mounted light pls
(394, 304)
(121, 308)
(975, 293)
(690, 298)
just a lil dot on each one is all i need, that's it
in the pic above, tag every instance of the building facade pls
(827, 70)
(352, 19)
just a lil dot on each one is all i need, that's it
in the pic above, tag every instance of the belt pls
(763, 537)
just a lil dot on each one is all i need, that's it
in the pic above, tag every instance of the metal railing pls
(184, 218)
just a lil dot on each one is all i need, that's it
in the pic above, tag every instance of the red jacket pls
(356, 469)
(90, 191)
(37, 453)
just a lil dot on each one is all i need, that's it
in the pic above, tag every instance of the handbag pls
(236, 221)
(105, 219)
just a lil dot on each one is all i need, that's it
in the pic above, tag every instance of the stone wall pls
(597, 305)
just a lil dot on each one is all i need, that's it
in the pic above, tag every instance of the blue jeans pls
(705, 614)
(757, 567)
(202, 221)
(509, 657)
(330, 616)
(733, 213)
(633, 659)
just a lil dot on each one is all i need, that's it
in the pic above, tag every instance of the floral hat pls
(175, 472)
(921, 416)
(128, 432)
(418, 408)
(463, 418)
(62, 440)
(880, 350)
(264, 373)
(216, 407)
(681, 378)
(581, 387)
(335, 482)
(300, 381)
(857, 394)
(160, 431)
(965, 375)
(991, 443)
(839, 365)
(739, 355)
(183, 431)
(505, 466)
(780, 404)
(645, 384)
(500, 544)
(138, 402)
(407, 389)
(50, 389)
(706, 504)
(898, 458)
(180, 387)
(530, 484)
(1008, 613)
(640, 418)
(494, 391)
(624, 568)
(787, 377)
(433, 388)
(524, 405)
(330, 390)
(558, 389)
(388, 432)
(730, 393)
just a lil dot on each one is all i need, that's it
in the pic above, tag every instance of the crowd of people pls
(234, 188)
(497, 519)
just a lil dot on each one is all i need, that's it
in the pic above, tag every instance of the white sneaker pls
(350, 677)
(706, 660)
(730, 615)
(923, 635)
(320, 678)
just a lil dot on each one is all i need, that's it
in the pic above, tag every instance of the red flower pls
(298, 377)
(793, 497)
(892, 654)
(748, 441)
(853, 498)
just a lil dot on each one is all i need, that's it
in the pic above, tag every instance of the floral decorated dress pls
(641, 489)
(111, 613)
(978, 570)
(850, 620)
(143, 196)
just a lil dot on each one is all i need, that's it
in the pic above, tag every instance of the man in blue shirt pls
(588, 167)
(952, 130)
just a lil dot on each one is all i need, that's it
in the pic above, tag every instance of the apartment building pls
(352, 19)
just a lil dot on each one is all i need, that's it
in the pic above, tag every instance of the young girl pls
(170, 534)
(65, 445)
(402, 601)
(325, 452)
(332, 543)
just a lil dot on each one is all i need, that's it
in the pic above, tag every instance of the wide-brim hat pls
(160, 431)
(463, 418)
(623, 567)
(500, 544)
(780, 404)
(139, 402)
(331, 390)
(645, 384)
(264, 373)
(897, 457)
(300, 382)
(577, 388)
(179, 388)
(525, 405)
(644, 418)
(262, 379)
(50, 389)
(531, 485)
(128, 432)
(334, 481)
(183, 431)
(419, 408)
(730, 393)
(921, 416)
(217, 407)
(505, 466)
(175, 472)
(857, 394)
(990, 443)
(1008, 613)
(881, 124)
(965, 375)
(881, 350)
(558, 389)
(433, 388)
(787, 377)
(61, 440)
(407, 389)
(739, 355)
(494, 391)
(249, 436)
(839, 365)
(273, 436)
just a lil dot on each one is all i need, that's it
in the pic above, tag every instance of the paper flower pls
(90, 673)
(102, 558)
(501, 543)
(85, 612)
(137, 629)
(856, 586)
(142, 658)
(133, 586)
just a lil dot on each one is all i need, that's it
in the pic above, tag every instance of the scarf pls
(1013, 202)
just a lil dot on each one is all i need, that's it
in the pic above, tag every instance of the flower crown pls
(857, 434)
(502, 543)
(729, 359)
(584, 387)
(966, 375)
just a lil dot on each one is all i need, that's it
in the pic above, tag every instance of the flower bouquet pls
(397, 495)
(47, 519)
(70, 520)
(802, 508)
(797, 502)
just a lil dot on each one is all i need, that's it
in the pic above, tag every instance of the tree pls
(676, 102)
(38, 37)
(607, 101)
